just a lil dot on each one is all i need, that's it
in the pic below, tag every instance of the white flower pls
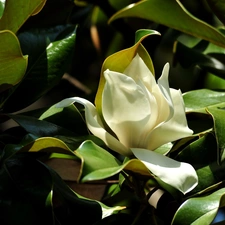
(141, 114)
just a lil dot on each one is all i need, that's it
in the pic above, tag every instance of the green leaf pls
(198, 100)
(2, 7)
(13, 18)
(218, 114)
(163, 12)
(218, 7)
(120, 60)
(99, 164)
(13, 63)
(200, 210)
(45, 71)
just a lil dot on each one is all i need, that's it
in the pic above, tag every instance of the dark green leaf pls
(40, 128)
(205, 146)
(190, 57)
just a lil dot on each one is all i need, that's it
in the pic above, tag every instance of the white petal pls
(163, 84)
(95, 124)
(138, 70)
(173, 129)
(179, 175)
(125, 108)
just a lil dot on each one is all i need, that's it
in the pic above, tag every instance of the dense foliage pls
(54, 49)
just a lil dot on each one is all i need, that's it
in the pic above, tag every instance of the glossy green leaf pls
(198, 100)
(40, 128)
(163, 12)
(218, 114)
(44, 72)
(218, 7)
(200, 210)
(2, 7)
(99, 164)
(13, 18)
(13, 63)
(120, 60)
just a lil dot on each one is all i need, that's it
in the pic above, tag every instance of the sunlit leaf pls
(200, 210)
(17, 12)
(163, 12)
(13, 63)
(208, 98)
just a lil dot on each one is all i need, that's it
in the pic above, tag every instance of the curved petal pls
(179, 175)
(173, 129)
(95, 125)
(163, 84)
(125, 108)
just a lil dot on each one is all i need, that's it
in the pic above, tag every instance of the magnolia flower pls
(139, 115)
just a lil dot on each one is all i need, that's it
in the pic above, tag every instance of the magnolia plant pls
(138, 116)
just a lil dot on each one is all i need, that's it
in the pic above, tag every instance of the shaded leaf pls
(218, 114)
(13, 18)
(40, 128)
(218, 7)
(200, 210)
(163, 12)
(205, 145)
(190, 57)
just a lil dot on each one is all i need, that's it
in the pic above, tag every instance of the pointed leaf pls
(163, 12)
(200, 210)
(13, 18)
(13, 63)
